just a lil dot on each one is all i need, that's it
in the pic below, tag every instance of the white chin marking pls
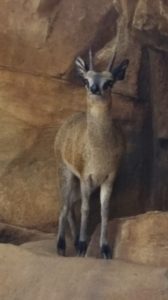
(95, 95)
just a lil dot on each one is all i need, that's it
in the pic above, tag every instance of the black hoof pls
(106, 252)
(61, 246)
(81, 248)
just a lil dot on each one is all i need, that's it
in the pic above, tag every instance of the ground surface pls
(34, 271)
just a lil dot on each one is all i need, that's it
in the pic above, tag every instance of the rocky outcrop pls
(139, 268)
(27, 275)
(39, 89)
(31, 109)
(140, 239)
(43, 37)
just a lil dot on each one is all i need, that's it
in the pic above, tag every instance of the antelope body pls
(89, 147)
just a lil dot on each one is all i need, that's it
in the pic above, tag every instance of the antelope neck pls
(99, 122)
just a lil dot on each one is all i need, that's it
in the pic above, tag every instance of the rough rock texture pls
(52, 31)
(29, 116)
(26, 275)
(39, 89)
(140, 239)
(19, 235)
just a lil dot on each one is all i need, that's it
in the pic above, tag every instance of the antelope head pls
(100, 84)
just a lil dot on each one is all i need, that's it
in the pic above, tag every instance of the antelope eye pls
(86, 82)
(110, 83)
(107, 84)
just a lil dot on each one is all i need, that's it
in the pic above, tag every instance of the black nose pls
(95, 89)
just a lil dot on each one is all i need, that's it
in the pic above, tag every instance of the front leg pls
(105, 194)
(85, 195)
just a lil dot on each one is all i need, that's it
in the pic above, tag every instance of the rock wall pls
(39, 89)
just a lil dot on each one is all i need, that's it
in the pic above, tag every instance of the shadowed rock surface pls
(19, 235)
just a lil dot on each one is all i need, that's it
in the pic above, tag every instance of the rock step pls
(140, 239)
(29, 276)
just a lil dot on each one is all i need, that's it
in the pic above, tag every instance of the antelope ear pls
(82, 67)
(119, 72)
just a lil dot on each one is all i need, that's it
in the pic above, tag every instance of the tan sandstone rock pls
(41, 36)
(26, 275)
(151, 16)
(31, 108)
(140, 239)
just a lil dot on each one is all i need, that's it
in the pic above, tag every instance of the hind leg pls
(75, 195)
(68, 194)
(105, 193)
(86, 190)
(73, 227)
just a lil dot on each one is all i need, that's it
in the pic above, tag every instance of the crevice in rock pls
(42, 75)
(163, 142)
(146, 143)
(51, 23)
(16, 235)
(49, 9)
(159, 75)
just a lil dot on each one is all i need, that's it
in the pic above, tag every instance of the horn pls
(111, 62)
(90, 60)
